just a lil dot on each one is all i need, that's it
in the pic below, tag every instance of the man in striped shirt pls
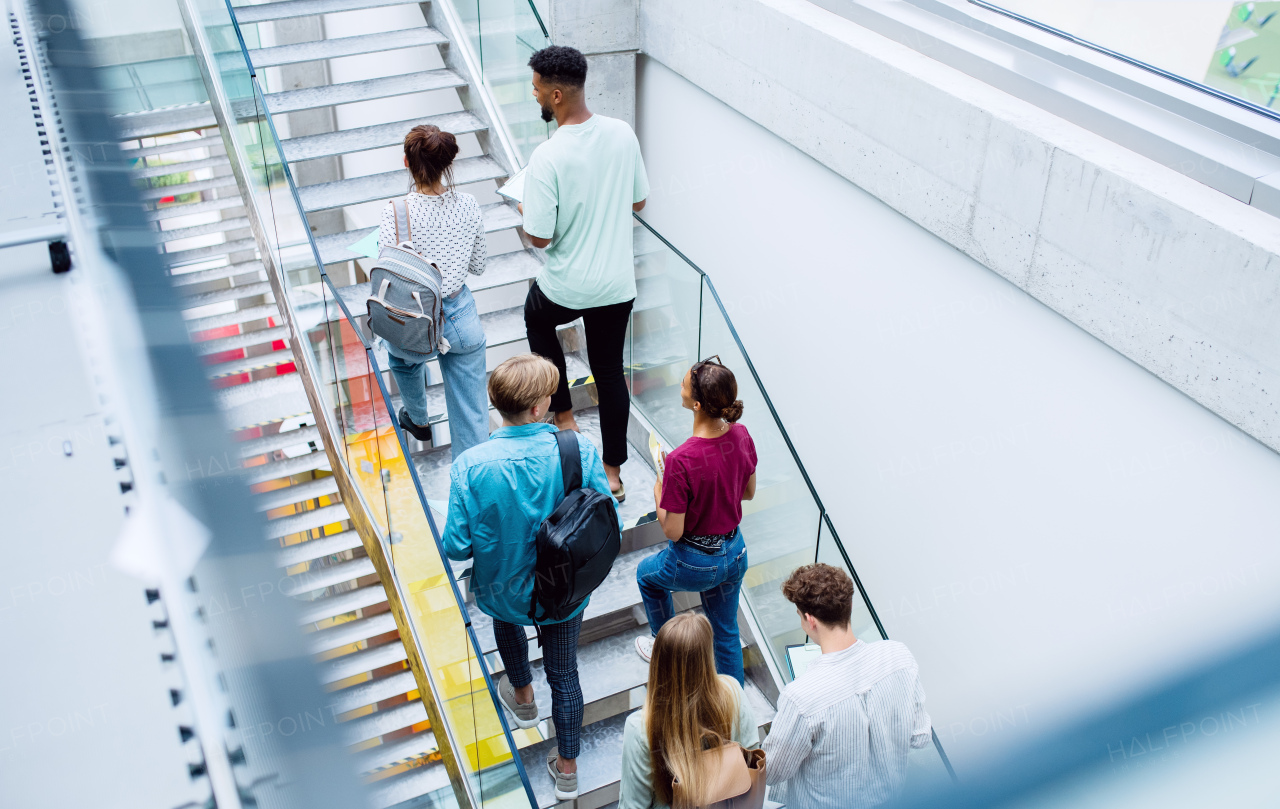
(845, 726)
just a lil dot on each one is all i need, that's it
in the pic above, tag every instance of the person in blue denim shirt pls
(499, 494)
(448, 229)
(699, 501)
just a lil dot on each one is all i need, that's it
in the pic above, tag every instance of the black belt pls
(707, 543)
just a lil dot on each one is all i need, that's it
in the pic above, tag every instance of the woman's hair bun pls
(733, 412)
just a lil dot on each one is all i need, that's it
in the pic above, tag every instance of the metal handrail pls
(337, 461)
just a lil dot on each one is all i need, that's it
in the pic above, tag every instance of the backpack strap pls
(404, 230)
(570, 460)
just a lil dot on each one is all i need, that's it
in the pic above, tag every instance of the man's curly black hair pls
(558, 64)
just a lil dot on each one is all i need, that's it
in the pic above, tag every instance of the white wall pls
(1046, 524)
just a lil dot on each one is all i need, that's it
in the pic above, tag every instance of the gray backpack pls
(406, 307)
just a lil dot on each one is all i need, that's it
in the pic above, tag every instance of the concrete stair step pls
(297, 493)
(237, 317)
(264, 12)
(181, 279)
(350, 92)
(322, 578)
(318, 548)
(351, 632)
(382, 756)
(188, 208)
(212, 251)
(281, 440)
(345, 46)
(163, 169)
(371, 691)
(335, 247)
(388, 720)
(374, 187)
(398, 789)
(263, 401)
(221, 226)
(234, 293)
(306, 521)
(346, 141)
(211, 184)
(247, 364)
(332, 606)
(168, 121)
(274, 470)
(245, 340)
(340, 668)
(213, 141)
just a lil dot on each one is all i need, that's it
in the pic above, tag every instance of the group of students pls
(843, 729)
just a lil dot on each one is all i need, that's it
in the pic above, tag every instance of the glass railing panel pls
(780, 525)
(509, 33)
(663, 338)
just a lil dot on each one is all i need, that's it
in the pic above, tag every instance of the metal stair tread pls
(316, 548)
(374, 187)
(418, 744)
(380, 723)
(345, 141)
(340, 668)
(352, 91)
(306, 521)
(371, 691)
(297, 493)
(338, 635)
(220, 226)
(390, 792)
(244, 340)
(319, 49)
(162, 169)
(342, 603)
(171, 120)
(246, 364)
(211, 251)
(599, 764)
(263, 12)
(321, 578)
(335, 247)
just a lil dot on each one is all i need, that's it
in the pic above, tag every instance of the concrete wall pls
(1181, 279)
(607, 32)
(1046, 524)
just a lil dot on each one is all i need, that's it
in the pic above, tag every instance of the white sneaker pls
(644, 647)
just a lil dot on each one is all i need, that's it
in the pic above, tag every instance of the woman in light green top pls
(688, 709)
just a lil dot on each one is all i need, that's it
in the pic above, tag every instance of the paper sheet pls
(513, 189)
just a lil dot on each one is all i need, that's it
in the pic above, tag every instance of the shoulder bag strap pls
(570, 460)
(401, 208)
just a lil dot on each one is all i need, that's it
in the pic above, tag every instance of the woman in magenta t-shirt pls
(699, 507)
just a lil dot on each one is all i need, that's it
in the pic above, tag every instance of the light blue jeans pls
(463, 369)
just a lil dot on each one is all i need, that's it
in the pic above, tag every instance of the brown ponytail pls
(716, 389)
(430, 153)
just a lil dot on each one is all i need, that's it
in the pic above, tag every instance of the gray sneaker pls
(525, 716)
(566, 784)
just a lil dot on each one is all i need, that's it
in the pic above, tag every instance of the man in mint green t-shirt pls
(580, 188)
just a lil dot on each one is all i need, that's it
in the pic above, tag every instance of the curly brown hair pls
(823, 591)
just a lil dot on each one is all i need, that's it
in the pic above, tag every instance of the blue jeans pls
(559, 663)
(463, 369)
(716, 576)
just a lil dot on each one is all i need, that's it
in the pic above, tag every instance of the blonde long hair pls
(688, 709)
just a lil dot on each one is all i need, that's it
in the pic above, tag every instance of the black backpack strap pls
(570, 460)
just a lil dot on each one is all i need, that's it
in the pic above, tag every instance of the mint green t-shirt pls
(578, 190)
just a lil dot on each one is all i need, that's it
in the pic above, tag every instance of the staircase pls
(233, 318)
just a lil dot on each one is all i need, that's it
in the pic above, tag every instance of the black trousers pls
(606, 328)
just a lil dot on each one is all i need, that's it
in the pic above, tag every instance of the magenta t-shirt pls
(705, 479)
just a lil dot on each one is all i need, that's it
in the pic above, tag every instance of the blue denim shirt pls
(499, 494)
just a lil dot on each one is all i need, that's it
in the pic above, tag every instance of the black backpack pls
(576, 545)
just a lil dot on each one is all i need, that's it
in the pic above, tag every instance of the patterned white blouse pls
(448, 229)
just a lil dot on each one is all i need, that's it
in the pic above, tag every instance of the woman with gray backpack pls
(420, 304)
